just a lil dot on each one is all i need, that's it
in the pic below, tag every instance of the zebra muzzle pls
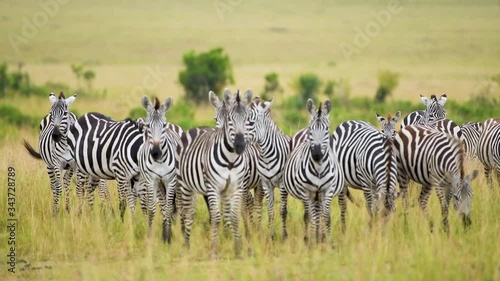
(56, 134)
(156, 152)
(316, 152)
(239, 143)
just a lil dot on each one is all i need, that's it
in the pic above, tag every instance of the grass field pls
(436, 46)
(96, 246)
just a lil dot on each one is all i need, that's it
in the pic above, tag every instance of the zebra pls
(107, 149)
(312, 173)
(470, 137)
(53, 146)
(434, 111)
(434, 159)
(212, 166)
(157, 162)
(368, 161)
(488, 148)
(273, 150)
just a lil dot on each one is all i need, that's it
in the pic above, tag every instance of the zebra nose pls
(56, 134)
(316, 152)
(466, 220)
(239, 143)
(156, 152)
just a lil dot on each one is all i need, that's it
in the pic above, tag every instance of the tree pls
(204, 72)
(89, 76)
(272, 85)
(78, 71)
(387, 82)
(4, 79)
(308, 85)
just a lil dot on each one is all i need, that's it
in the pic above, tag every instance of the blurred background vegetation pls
(281, 50)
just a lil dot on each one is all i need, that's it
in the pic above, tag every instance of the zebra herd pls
(157, 162)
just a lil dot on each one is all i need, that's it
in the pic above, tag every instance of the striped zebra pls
(434, 111)
(312, 173)
(157, 162)
(212, 166)
(273, 150)
(53, 146)
(107, 149)
(470, 137)
(368, 161)
(434, 159)
(488, 148)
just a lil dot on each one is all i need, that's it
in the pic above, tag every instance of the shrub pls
(387, 82)
(204, 72)
(308, 85)
(271, 86)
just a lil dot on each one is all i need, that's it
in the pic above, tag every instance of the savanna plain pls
(435, 46)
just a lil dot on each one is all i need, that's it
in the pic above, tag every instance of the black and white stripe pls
(434, 159)
(312, 173)
(107, 149)
(488, 148)
(53, 146)
(212, 166)
(434, 111)
(368, 160)
(470, 138)
(274, 148)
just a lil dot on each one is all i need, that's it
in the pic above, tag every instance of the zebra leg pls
(423, 200)
(226, 215)
(444, 199)
(269, 191)
(259, 196)
(326, 210)
(55, 182)
(343, 208)
(236, 204)
(66, 183)
(367, 192)
(317, 218)
(188, 213)
(249, 205)
(122, 196)
(283, 210)
(152, 186)
(93, 183)
(213, 202)
(167, 209)
(81, 180)
(245, 213)
(103, 193)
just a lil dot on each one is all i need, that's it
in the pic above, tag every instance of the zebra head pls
(260, 117)
(234, 121)
(59, 115)
(154, 126)
(462, 196)
(389, 124)
(319, 128)
(221, 109)
(434, 108)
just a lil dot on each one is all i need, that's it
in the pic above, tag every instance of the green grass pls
(96, 246)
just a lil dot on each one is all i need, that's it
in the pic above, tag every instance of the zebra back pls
(470, 137)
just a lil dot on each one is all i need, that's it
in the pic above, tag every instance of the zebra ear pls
(424, 100)
(442, 99)
(310, 107)
(214, 99)
(473, 176)
(146, 103)
(167, 104)
(327, 107)
(267, 104)
(70, 100)
(248, 96)
(380, 119)
(396, 118)
(227, 96)
(52, 98)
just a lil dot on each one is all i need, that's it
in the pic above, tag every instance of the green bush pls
(272, 86)
(204, 72)
(387, 82)
(13, 116)
(308, 85)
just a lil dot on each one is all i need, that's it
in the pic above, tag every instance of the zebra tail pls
(31, 150)
(351, 198)
(389, 162)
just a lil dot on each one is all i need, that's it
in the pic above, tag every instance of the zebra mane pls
(157, 103)
(433, 97)
(389, 116)
(238, 99)
(319, 109)
(61, 95)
